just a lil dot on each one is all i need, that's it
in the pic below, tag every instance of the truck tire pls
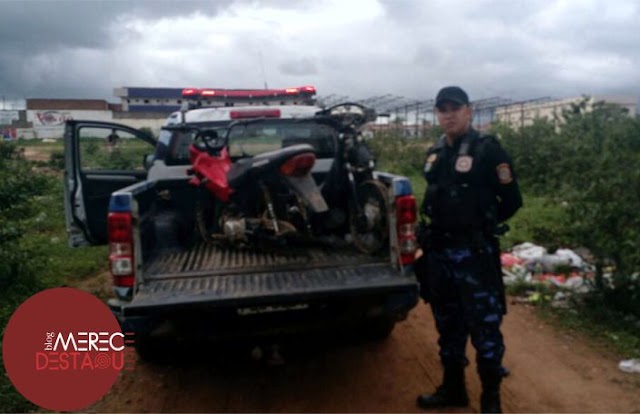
(378, 329)
(155, 349)
(371, 230)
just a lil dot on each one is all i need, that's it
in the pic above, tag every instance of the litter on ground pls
(631, 366)
(531, 263)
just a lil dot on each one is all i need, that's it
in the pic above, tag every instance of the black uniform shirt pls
(469, 184)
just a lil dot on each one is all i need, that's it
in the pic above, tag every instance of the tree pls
(590, 164)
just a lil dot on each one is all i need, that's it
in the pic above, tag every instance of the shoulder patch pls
(431, 159)
(504, 173)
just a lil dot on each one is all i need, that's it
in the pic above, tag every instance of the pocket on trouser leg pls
(485, 333)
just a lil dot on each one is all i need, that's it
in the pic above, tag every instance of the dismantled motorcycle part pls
(235, 229)
(369, 219)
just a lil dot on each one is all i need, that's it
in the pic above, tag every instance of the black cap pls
(453, 94)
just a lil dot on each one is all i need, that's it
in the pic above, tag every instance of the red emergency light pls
(193, 93)
(190, 92)
(258, 113)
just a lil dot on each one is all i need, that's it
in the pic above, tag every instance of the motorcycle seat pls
(246, 168)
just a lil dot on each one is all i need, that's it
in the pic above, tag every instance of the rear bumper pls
(254, 301)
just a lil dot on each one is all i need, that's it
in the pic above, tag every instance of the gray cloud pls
(298, 67)
(32, 26)
(35, 34)
(361, 48)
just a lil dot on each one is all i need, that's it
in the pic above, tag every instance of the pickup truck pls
(168, 283)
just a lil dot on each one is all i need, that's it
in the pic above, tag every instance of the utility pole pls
(405, 127)
(417, 123)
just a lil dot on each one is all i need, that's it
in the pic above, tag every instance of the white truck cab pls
(217, 108)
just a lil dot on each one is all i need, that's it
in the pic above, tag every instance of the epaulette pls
(484, 140)
(440, 143)
(488, 137)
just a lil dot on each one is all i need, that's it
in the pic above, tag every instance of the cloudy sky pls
(360, 48)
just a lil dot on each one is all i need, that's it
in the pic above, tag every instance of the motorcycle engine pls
(235, 229)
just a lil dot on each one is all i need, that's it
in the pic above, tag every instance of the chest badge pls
(430, 160)
(464, 163)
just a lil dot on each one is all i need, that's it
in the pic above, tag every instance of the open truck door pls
(100, 158)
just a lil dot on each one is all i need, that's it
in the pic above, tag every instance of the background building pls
(149, 107)
(45, 118)
(519, 114)
(133, 99)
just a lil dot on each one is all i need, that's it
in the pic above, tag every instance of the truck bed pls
(205, 259)
(214, 276)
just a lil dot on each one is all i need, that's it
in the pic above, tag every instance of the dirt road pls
(551, 372)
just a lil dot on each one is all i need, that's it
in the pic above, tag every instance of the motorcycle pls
(265, 198)
(355, 197)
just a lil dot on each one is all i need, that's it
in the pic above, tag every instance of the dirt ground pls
(551, 371)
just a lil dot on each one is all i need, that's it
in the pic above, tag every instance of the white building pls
(521, 114)
(45, 118)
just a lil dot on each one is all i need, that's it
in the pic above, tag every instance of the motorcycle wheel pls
(370, 230)
(206, 216)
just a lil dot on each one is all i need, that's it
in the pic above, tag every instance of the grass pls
(537, 222)
(40, 143)
(128, 154)
(48, 234)
(50, 263)
(57, 264)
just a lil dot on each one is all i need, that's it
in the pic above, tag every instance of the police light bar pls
(193, 93)
(190, 92)
(258, 113)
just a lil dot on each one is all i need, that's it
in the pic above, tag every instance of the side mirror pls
(147, 161)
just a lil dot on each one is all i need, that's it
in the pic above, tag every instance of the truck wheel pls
(155, 349)
(378, 329)
(207, 212)
(370, 230)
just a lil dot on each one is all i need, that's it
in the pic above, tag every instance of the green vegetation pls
(579, 178)
(580, 184)
(33, 250)
(587, 172)
(127, 154)
(404, 156)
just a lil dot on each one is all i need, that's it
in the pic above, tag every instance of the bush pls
(56, 160)
(19, 264)
(400, 155)
(148, 131)
(18, 187)
(585, 172)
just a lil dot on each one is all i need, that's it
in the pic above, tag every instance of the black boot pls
(452, 392)
(490, 399)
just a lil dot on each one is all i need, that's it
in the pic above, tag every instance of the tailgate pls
(214, 277)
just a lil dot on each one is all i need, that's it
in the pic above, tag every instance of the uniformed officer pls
(471, 190)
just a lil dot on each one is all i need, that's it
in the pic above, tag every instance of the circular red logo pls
(63, 349)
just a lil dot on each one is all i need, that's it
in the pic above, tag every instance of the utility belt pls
(477, 240)
(482, 242)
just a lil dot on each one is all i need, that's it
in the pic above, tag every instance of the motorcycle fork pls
(305, 217)
(270, 209)
(352, 187)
